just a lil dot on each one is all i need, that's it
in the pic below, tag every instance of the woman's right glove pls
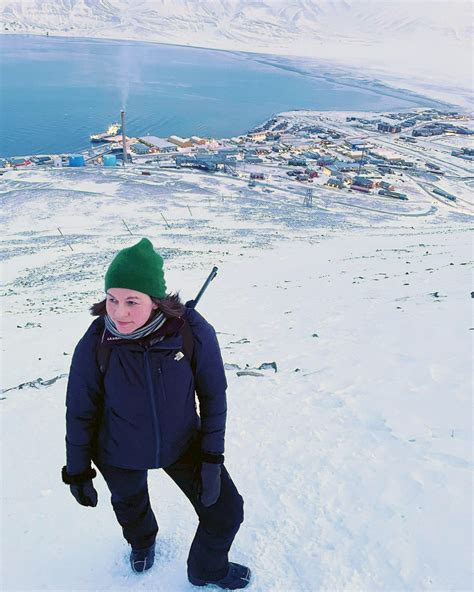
(81, 486)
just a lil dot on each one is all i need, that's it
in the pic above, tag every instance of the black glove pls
(211, 479)
(81, 486)
(85, 493)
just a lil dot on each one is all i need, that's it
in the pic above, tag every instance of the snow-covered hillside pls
(354, 458)
(428, 41)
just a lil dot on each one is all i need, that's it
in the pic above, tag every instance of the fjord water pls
(56, 91)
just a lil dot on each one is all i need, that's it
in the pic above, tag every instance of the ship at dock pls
(112, 131)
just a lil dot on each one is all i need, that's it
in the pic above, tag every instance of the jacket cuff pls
(215, 459)
(86, 475)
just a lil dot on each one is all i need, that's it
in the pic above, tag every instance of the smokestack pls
(124, 141)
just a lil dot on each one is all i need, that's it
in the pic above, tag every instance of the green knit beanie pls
(137, 268)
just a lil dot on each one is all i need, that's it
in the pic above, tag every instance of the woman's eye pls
(115, 302)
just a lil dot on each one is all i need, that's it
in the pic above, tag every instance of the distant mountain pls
(423, 38)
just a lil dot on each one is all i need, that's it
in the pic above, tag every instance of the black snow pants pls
(218, 524)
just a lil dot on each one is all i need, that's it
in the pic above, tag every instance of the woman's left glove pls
(211, 478)
(81, 486)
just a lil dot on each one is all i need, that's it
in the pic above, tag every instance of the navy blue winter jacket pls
(142, 413)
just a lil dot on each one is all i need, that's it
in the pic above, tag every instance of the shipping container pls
(444, 193)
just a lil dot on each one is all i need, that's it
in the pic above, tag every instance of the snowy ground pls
(354, 458)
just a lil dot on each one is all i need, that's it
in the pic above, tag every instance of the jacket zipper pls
(162, 385)
(153, 407)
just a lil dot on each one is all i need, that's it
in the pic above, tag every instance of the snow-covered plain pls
(425, 46)
(354, 458)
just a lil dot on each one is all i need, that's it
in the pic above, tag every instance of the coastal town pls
(385, 156)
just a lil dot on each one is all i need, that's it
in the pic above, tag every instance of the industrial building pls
(139, 148)
(207, 161)
(180, 142)
(198, 140)
(159, 144)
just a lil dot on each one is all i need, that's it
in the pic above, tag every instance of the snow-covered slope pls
(429, 40)
(354, 458)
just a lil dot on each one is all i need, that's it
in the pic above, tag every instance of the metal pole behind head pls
(124, 141)
(209, 279)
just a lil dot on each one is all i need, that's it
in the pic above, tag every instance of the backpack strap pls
(188, 342)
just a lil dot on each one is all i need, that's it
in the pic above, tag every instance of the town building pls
(180, 142)
(297, 162)
(386, 185)
(335, 182)
(386, 155)
(389, 128)
(257, 136)
(347, 167)
(326, 160)
(465, 153)
(357, 144)
(363, 182)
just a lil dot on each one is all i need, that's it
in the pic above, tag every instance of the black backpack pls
(103, 351)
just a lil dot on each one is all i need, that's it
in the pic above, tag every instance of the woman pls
(131, 407)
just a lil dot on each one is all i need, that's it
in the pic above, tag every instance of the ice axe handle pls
(210, 277)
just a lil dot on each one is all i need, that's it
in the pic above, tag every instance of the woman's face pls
(129, 309)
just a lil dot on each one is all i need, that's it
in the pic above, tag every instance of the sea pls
(57, 91)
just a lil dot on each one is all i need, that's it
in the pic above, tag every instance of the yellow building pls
(181, 142)
(198, 140)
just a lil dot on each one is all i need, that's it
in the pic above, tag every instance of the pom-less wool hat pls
(139, 268)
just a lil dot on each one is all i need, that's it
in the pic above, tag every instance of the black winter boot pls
(237, 577)
(142, 559)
